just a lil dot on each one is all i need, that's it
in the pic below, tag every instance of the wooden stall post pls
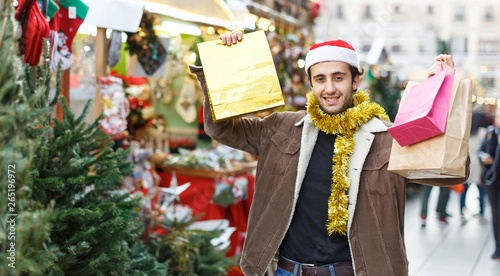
(64, 92)
(100, 66)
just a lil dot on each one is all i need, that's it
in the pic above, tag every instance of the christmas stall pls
(289, 31)
(163, 123)
(73, 213)
(69, 214)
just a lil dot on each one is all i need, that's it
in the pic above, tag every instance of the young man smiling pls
(333, 86)
(324, 202)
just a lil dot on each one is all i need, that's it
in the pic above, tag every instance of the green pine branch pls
(189, 252)
(27, 249)
(95, 222)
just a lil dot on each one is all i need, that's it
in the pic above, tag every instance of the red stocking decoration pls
(70, 16)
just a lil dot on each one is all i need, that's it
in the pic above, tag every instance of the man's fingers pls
(446, 58)
(436, 68)
(439, 66)
(239, 35)
(234, 37)
(229, 40)
(223, 38)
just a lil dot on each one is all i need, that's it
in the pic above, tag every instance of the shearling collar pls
(373, 126)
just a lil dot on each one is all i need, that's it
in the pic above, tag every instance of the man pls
(324, 201)
(489, 156)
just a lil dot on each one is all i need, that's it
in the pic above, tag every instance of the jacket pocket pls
(282, 150)
(375, 172)
(377, 160)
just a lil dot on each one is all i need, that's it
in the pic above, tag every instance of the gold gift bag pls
(241, 78)
(442, 156)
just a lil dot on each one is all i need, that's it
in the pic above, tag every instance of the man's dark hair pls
(354, 72)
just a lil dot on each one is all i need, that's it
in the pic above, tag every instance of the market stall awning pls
(209, 12)
(266, 11)
(377, 54)
(121, 15)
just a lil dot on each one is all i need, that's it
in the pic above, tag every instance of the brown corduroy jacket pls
(284, 142)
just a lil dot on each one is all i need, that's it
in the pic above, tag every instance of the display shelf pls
(210, 173)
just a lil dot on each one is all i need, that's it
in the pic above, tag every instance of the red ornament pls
(315, 10)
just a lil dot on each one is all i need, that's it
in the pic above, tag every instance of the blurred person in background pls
(478, 128)
(444, 195)
(489, 156)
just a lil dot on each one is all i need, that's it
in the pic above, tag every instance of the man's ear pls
(355, 82)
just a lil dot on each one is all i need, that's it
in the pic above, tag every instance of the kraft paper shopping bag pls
(442, 156)
(423, 114)
(241, 78)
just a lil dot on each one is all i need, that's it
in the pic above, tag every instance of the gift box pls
(241, 78)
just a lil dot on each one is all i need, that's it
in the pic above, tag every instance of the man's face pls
(332, 85)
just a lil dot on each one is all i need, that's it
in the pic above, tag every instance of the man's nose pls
(330, 87)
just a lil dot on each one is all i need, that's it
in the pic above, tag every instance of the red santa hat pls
(334, 50)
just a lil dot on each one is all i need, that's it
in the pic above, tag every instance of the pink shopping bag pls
(423, 113)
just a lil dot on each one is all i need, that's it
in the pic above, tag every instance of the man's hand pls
(486, 159)
(441, 62)
(230, 38)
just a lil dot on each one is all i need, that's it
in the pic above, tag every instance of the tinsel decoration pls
(344, 124)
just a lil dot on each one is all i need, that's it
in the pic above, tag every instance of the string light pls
(301, 63)
(192, 57)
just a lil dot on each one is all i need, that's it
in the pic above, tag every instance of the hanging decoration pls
(174, 66)
(34, 29)
(185, 104)
(67, 21)
(116, 107)
(150, 51)
(142, 110)
(115, 48)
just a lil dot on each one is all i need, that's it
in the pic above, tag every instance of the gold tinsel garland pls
(344, 124)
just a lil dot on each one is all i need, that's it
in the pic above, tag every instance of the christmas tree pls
(95, 223)
(383, 91)
(187, 251)
(63, 207)
(63, 210)
(24, 232)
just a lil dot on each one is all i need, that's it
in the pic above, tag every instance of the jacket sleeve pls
(240, 133)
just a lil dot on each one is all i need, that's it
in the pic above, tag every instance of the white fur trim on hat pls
(331, 53)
